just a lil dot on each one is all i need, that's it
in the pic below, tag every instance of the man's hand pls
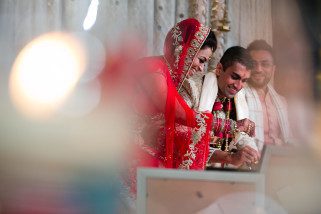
(246, 155)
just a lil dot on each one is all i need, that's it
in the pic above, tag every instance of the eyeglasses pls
(263, 64)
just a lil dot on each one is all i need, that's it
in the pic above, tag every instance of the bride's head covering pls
(182, 43)
(188, 147)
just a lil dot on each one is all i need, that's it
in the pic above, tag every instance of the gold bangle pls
(249, 127)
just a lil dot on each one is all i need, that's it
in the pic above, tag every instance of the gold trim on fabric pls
(177, 36)
(196, 45)
(197, 134)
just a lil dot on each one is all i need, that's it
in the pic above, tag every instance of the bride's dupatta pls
(182, 141)
(186, 146)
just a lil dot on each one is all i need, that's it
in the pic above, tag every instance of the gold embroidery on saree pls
(197, 134)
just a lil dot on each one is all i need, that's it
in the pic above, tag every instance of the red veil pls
(185, 135)
(183, 141)
(186, 149)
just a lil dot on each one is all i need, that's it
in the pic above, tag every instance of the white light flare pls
(45, 73)
(91, 15)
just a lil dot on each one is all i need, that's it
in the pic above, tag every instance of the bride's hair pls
(210, 41)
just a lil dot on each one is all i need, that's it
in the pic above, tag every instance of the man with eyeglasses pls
(267, 108)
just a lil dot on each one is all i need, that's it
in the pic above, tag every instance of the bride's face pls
(200, 59)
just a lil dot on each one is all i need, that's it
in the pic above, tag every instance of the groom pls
(222, 95)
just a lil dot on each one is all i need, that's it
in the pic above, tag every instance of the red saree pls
(186, 146)
(183, 140)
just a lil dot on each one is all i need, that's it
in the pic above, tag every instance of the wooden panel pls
(250, 20)
(54, 13)
(187, 196)
(233, 36)
(141, 21)
(181, 10)
(164, 21)
(263, 19)
(74, 13)
(293, 179)
(111, 21)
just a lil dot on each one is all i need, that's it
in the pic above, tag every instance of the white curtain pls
(21, 21)
(250, 20)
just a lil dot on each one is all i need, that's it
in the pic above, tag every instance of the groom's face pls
(231, 80)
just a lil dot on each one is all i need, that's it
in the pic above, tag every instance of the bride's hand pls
(247, 126)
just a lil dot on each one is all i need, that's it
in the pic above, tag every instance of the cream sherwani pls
(201, 94)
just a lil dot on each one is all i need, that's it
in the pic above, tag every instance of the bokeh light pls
(45, 73)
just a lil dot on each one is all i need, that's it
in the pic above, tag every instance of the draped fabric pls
(209, 94)
(187, 149)
(256, 115)
(172, 146)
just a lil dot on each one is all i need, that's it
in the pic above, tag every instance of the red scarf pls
(182, 43)
(188, 148)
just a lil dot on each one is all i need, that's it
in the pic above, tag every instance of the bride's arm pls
(155, 87)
